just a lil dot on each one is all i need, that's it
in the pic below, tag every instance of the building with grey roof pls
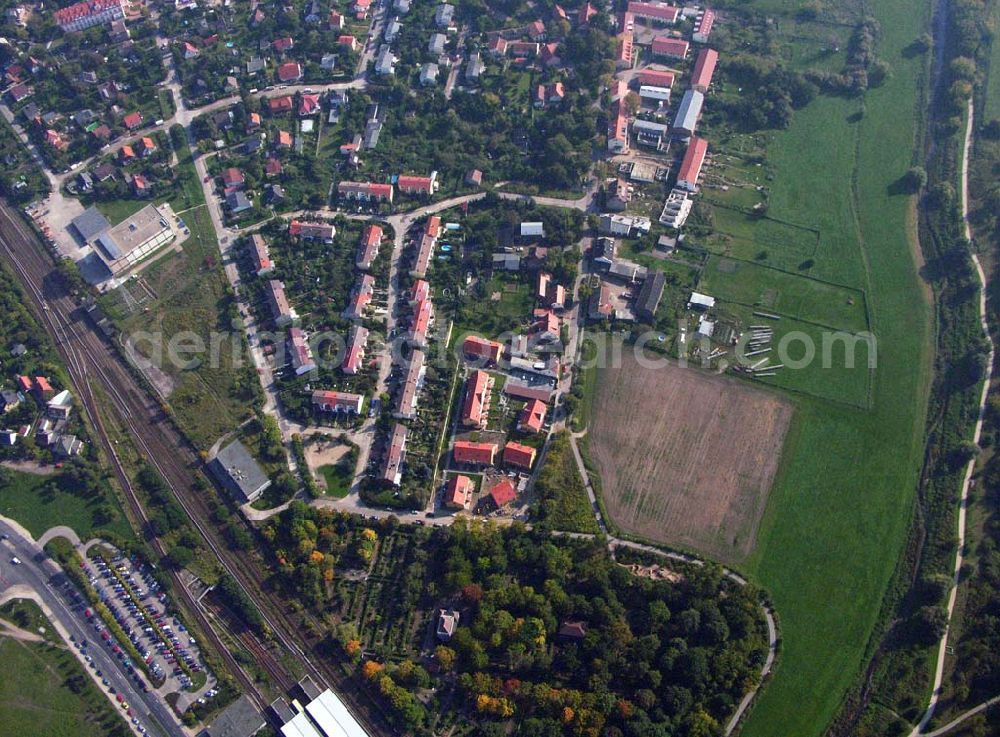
(385, 64)
(90, 224)
(392, 30)
(239, 472)
(688, 114)
(429, 74)
(649, 296)
(240, 719)
(134, 239)
(444, 15)
(435, 47)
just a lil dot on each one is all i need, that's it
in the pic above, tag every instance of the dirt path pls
(963, 504)
(16, 633)
(33, 467)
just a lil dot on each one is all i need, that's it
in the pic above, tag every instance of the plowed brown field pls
(686, 458)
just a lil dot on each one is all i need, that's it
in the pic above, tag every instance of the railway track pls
(89, 354)
(56, 310)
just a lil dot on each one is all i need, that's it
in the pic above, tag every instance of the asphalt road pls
(38, 572)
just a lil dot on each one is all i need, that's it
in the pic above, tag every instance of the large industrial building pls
(239, 472)
(323, 715)
(122, 246)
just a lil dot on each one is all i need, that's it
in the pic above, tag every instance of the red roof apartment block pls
(412, 381)
(365, 191)
(360, 298)
(368, 250)
(356, 343)
(477, 399)
(312, 231)
(673, 48)
(421, 322)
(419, 292)
(482, 454)
(458, 492)
(656, 78)
(392, 471)
(521, 456)
(424, 252)
(704, 68)
(694, 158)
(475, 347)
(703, 29)
(659, 12)
(417, 185)
(328, 401)
(262, 263)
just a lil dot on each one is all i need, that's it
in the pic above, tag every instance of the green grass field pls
(39, 505)
(784, 293)
(338, 480)
(839, 510)
(45, 692)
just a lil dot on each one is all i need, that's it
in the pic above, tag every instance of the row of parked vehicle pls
(134, 598)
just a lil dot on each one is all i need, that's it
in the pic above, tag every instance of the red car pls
(120, 698)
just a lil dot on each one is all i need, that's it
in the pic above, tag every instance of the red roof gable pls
(518, 455)
(656, 78)
(532, 416)
(132, 120)
(666, 46)
(478, 453)
(482, 348)
(280, 104)
(477, 390)
(458, 491)
(289, 71)
(503, 493)
(704, 68)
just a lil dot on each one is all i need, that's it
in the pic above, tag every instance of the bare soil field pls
(686, 458)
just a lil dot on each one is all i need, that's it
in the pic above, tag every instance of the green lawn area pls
(117, 210)
(38, 505)
(44, 691)
(784, 293)
(840, 507)
(338, 480)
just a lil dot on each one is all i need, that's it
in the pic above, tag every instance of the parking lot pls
(171, 655)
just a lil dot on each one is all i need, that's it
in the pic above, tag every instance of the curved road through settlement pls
(921, 728)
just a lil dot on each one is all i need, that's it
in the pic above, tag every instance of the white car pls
(15, 560)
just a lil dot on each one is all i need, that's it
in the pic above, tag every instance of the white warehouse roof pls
(300, 726)
(333, 717)
(652, 92)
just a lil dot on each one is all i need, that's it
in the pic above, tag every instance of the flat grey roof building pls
(239, 719)
(689, 112)
(90, 223)
(239, 472)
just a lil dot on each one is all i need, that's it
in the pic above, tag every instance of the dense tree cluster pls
(651, 656)
(770, 93)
